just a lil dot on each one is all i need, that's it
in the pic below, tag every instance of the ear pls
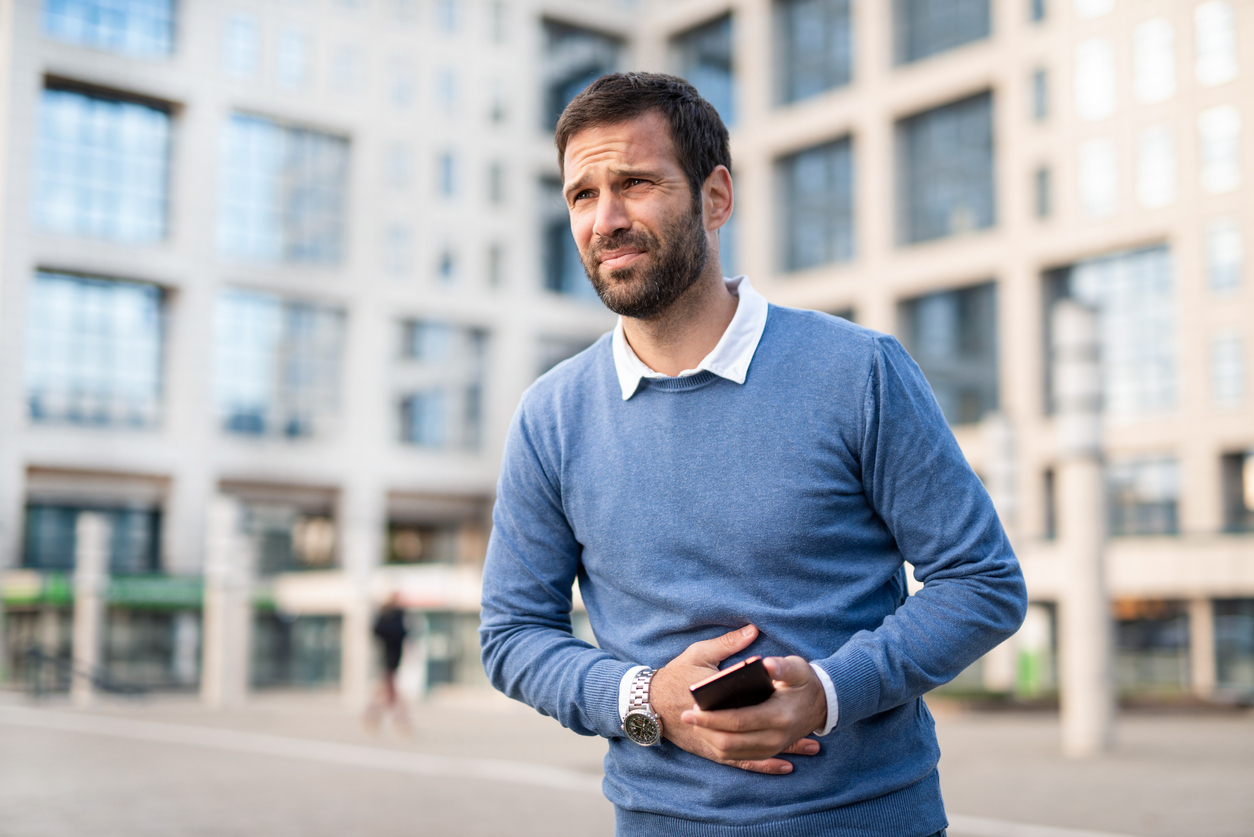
(716, 198)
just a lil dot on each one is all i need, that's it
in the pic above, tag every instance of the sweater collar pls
(730, 357)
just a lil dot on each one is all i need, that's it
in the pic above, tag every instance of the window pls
(705, 59)
(398, 165)
(574, 58)
(554, 350)
(1097, 173)
(1040, 95)
(1224, 255)
(446, 267)
(496, 183)
(945, 170)
(448, 16)
(1238, 490)
(1143, 494)
(1037, 10)
(498, 21)
(103, 167)
(93, 351)
(295, 651)
(927, 27)
(348, 70)
(291, 59)
(1227, 369)
(729, 247)
(816, 196)
(446, 90)
(403, 11)
(1156, 167)
(295, 535)
(140, 28)
(441, 379)
(398, 250)
(411, 543)
(496, 265)
(563, 269)
(276, 365)
(1220, 133)
(50, 537)
(814, 47)
(1234, 643)
(282, 192)
(498, 101)
(1088, 9)
(1215, 33)
(1151, 645)
(402, 86)
(952, 335)
(241, 45)
(1049, 493)
(1136, 303)
(446, 174)
(1153, 61)
(1044, 203)
(1096, 87)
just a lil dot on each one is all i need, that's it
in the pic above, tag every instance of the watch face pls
(642, 729)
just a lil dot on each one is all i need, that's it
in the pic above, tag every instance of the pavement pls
(478, 764)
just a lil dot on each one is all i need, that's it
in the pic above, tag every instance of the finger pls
(772, 767)
(804, 747)
(711, 652)
(745, 719)
(788, 671)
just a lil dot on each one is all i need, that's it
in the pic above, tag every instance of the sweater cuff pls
(601, 688)
(857, 680)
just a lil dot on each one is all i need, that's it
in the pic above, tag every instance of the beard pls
(645, 291)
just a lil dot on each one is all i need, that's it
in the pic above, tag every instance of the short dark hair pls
(697, 132)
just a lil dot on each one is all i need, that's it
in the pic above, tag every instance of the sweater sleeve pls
(919, 483)
(529, 651)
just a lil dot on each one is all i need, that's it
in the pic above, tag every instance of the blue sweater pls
(791, 502)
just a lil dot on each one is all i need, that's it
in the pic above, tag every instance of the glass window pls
(141, 28)
(292, 58)
(50, 537)
(1220, 132)
(348, 70)
(93, 351)
(498, 22)
(563, 269)
(415, 543)
(952, 335)
(446, 174)
(291, 536)
(1224, 256)
(1143, 494)
(402, 81)
(705, 58)
(303, 651)
(1227, 369)
(282, 192)
(574, 58)
(1096, 87)
(1234, 643)
(448, 16)
(945, 170)
(1088, 9)
(1151, 645)
(1037, 10)
(554, 350)
(814, 47)
(276, 365)
(1153, 61)
(1156, 167)
(729, 247)
(1238, 490)
(1215, 33)
(498, 101)
(398, 165)
(398, 250)
(1097, 174)
(816, 196)
(446, 266)
(1040, 95)
(103, 168)
(446, 90)
(441, 379)
(496, 183)
(241, 45)
(1133, 292)
(403, 11)
(496, 265)
(1044, 204)
(927, 27)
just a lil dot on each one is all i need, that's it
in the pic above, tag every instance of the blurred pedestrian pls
(389, 627)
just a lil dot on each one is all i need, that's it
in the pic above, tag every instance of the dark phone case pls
(744, 684)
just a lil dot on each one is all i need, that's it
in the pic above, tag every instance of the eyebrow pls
(622, 174)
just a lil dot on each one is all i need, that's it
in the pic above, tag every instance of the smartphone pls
(744, 684)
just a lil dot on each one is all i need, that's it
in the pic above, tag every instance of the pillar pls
(1085, 636)
(91, 581)
(997, 439)
(228, 612)
(1202, 674)
(362, 523)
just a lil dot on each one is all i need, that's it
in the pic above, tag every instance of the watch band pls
(638, 697)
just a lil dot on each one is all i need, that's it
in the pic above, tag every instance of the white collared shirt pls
(729, 359)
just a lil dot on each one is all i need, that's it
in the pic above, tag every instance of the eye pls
(632, 181)
(586, 193)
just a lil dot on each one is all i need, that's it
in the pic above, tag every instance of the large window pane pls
(945, 170)
(103, 167)
(562, 268)
(574, 58)
(93, 351)
(952, 335)
(1238, 490)
(282, 192)
(926, 27)
(277, 365)
(50, 537)
(441, 380)
(705, 59)
(1234, 643)
(141, 28)
(1143, 494)
(814, 47)
(816, 198)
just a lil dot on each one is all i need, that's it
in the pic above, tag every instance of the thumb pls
(711, 652)
(789, 671)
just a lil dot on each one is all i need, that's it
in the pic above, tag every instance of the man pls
(726, 478)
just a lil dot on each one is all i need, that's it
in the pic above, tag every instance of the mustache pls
(638, 239)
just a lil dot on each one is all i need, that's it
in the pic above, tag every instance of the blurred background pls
(274, 274)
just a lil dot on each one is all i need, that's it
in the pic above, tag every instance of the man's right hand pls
(670, 697)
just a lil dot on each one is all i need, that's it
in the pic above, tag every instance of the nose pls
(611, 215)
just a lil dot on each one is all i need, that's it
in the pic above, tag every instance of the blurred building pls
(275, 274)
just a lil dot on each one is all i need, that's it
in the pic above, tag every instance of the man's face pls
(641, 237)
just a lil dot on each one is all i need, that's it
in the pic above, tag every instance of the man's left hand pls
(798, 707)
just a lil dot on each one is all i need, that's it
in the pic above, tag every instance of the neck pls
(685, 333)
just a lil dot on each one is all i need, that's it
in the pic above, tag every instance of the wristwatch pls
(641, 723)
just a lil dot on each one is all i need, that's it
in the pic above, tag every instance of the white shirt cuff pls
(833, 709)
(624, 690)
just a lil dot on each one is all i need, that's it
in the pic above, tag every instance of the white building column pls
(1202, 673)
(91, 582)
(363, 521)
(997, 437)
(1085, 635)
(228, 611)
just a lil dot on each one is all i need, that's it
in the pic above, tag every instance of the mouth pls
(615, 259)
